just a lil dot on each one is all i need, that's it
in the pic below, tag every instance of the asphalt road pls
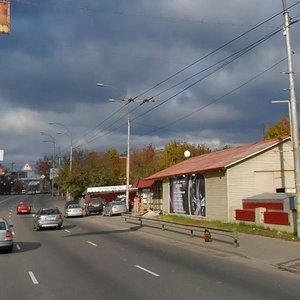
(96, 258)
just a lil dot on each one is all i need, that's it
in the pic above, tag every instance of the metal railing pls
(208, 233)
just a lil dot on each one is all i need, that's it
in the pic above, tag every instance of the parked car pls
(116, 207)
(48, 218)
(6, 235)
(73, 210)
(23, 208)
(95, 206)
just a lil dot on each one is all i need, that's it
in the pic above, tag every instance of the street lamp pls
(108, 85)
(128, 140)
(128, 150)
(68, 132)
(53, 157)
(125, 102)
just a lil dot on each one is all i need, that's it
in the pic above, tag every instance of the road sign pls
(27, 167)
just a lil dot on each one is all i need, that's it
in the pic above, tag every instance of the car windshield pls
(97, 201)
(74, 206)
(50, 211)
(119, 202)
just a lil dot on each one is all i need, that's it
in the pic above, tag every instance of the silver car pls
(6, 236)
(73, 210)
(48, 218)
(114, 208)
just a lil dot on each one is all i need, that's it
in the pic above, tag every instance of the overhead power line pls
(93, 134)
(215, 100)
(219, 65)
(215, 50)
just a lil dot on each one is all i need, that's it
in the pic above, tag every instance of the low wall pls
(286, 221)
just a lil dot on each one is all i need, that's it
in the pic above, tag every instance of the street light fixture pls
(71, 146)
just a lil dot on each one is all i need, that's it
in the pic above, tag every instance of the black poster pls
(187, 195)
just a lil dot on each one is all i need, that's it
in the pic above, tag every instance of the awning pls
(143, 184)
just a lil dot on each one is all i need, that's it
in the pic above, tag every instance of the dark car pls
(95, 206)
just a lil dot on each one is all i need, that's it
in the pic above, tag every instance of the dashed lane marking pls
(146, 270)
(91, 243)
(34, 280)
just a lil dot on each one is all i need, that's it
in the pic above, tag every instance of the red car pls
(23, 208)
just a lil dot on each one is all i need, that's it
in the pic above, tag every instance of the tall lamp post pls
(128, 140)
(53, 157)
(68, 132)
(128, 151)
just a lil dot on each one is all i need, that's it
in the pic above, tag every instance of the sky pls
(199, 71)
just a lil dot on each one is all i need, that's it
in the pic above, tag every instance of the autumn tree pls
(280, 129)
(144, 162)
(174, 152)
(109, 168)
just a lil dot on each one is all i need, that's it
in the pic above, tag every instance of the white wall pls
(262, 173)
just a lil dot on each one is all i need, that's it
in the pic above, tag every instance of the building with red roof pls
(214, 185)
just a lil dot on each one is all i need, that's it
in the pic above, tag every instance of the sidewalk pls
(275, 252)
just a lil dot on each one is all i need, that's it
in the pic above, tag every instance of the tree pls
(109, 168)
(143, 162)
(174, 152)
(279, 130)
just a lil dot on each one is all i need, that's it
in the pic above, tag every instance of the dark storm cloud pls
(58, 50)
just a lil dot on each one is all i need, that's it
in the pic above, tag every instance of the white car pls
(6, 235)
(114, 208)
(73, 210)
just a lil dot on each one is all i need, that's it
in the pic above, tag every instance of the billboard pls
(4, 16)
(187, 195)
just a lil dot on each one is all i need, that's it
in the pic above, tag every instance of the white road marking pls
(91, 243)
(33, 277)
(148, 271)
(8, 199)
(18, 247)
(66, 230)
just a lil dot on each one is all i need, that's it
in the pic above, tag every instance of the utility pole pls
(293, 108)
(128, 162)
